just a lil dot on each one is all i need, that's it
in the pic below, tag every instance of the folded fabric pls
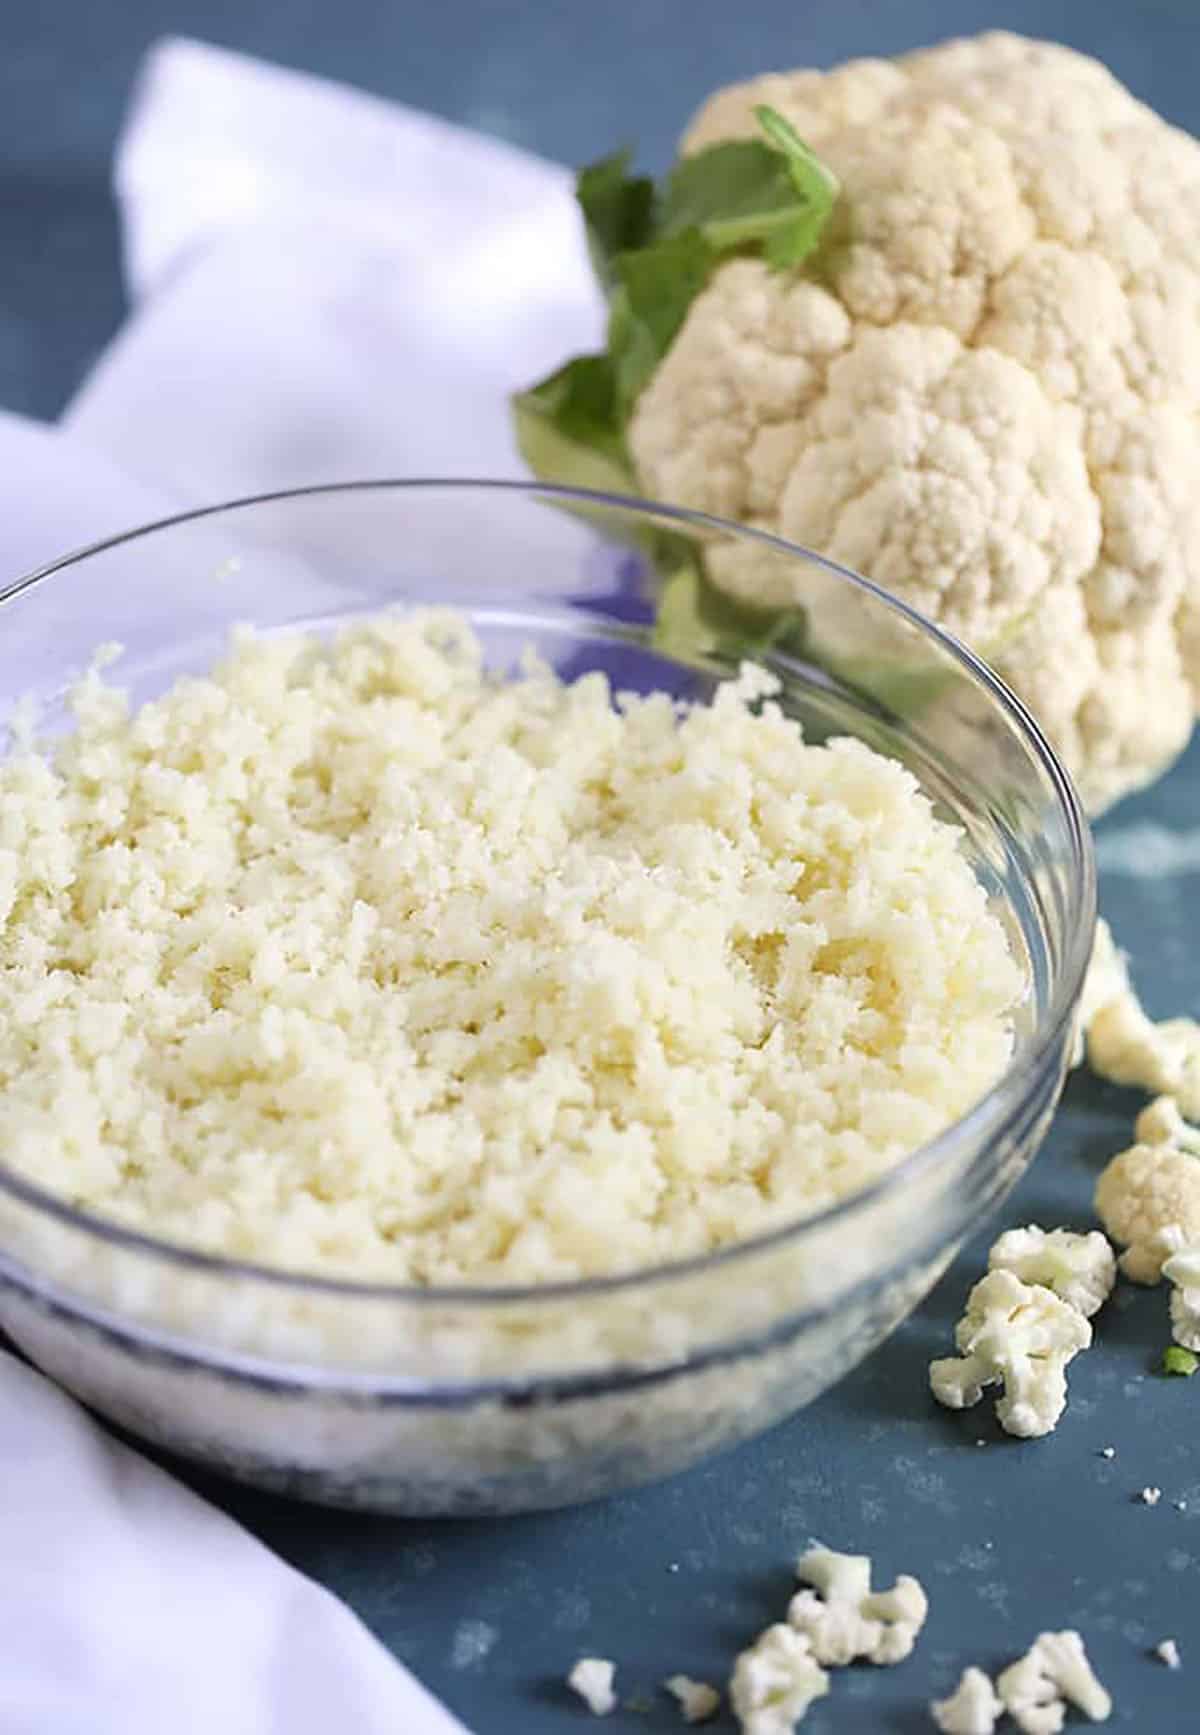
(131, 1607)
(325, 287)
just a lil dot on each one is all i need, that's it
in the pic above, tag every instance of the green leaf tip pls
(1179, 1361)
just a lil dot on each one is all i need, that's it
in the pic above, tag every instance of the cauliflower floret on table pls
(1128, 1047)
(775, 1681)
(696, 1699)
(1021, 1335)
(983, 392)
(972, 1708)
(592, 1679)
(1107, 980)
(843, 1619)
(1182, 1270)
(1080, 1269)
(1036, 1690)
(1148, 1197)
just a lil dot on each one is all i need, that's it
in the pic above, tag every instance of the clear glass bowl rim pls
(991, 1109)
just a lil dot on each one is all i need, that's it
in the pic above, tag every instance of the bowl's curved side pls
(469, 1401)
(537, 1445)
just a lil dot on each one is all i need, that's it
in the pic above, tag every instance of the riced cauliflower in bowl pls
(456, 1055)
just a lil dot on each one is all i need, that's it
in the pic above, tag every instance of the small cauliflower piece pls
(1182, 1271)
(1019, 1334)
(1128, 1047)
(775, 1681)
(842, 1617)
(592, 1679)
(1054, 1672)
(1107, 980)
(972, 1708)
(1148, 1197)
(697, 1700)
(1080, 1269)
(1167, 1651)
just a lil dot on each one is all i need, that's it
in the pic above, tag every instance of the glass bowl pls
(473, 1400)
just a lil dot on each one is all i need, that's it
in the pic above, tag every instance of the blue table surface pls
(1008, 1538)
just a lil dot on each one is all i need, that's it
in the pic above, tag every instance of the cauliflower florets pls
(1020, 1334)
(1080, 1269)
(1149, 1195)
(982, 392)
(847, 1620)
(1182, 1270)
(972, 1709)
(1055, 1671)
(775, 1681)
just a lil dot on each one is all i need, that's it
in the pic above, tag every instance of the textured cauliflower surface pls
(1148, 1197)
(359, 957)
(697, 1700)
(845, 1620)
(984, 391)
(1019, 1334)
(972, 1708)
(1054, 1672)
(775, 1681)
(1079, 1268)
(1182, 1271)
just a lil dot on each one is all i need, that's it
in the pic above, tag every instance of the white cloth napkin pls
(324, 287)
(328, 288)
(131, 1607)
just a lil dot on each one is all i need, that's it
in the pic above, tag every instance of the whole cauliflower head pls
(983, 391)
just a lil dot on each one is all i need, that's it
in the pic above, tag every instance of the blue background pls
(1008, 1538)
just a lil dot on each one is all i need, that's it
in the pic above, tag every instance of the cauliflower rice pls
(355, 957)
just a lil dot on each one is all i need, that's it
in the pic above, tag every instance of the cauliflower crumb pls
(1020, 1334)
(972, 1709)
(1080, 1269)
(1149, 1195)
(1167, 1651)
(352, 956)
(1054, 1672)
(848, 1620)
(1150, 1496)
(1108, 1451)
(697, 1700)
(775, 1681)
(592, 1679)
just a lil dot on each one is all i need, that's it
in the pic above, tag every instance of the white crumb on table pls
(696, 1699)
(1150, 1496)
(592, 1679)
(1108, 1451)
(1168, 1652)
